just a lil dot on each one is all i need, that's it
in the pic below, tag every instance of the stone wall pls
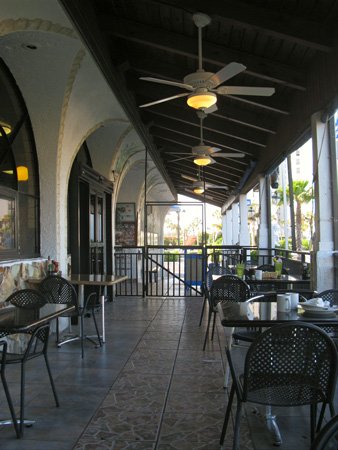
(15, 275)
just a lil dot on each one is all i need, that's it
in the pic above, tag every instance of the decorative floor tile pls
(143, 401)
(125, 425)
(196, 402)
(142, 381)
(191, 427)
(197, 383)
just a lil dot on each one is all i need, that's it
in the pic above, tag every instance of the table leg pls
(71, 338)
(102, 317)
(273, 426)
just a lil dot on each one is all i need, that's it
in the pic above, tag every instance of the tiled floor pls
(149, 387)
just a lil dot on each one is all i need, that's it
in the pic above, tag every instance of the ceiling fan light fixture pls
(201, 100)
(202, 160)
(198, 190)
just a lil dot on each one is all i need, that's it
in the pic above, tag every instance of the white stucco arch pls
(55, 74)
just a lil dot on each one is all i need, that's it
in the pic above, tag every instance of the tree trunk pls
(298, 226)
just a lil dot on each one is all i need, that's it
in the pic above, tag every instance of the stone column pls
(227, 227)
(244, 235)
(263, 235)
(323, 243)
(235, 223)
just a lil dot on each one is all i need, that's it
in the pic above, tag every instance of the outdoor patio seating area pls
(149, 387)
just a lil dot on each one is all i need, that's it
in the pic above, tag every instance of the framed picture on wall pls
(125, 212)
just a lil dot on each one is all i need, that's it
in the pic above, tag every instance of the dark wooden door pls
(97, 233)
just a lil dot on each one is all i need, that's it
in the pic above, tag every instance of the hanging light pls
(201, 99)
(202, 160)
(198, 190)
(6, 127)
(22, 173)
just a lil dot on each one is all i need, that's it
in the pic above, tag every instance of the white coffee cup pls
(283, 303)
(294, 299)
(258, 274)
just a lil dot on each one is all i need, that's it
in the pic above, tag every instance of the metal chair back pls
(27, 299)
(59, 290)
(229, 288)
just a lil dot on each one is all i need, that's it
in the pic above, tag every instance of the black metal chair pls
(291, 364)
(214, 269)
(28, 345)
(59, 290)
(227, 288)
(3, 347)
(327, 438)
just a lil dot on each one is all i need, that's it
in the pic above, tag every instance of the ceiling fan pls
(203, 86)
(199, 186)
(204, 154)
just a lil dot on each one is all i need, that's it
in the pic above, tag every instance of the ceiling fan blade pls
(180, 159)
(187, 177)
(229, 71)
(213, 150)
(178, 153)
(228, 155)
(214, 186)
(168, 82)
(156, 102)
(245, 90)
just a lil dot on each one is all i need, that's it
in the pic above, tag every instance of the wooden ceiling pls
(290, 45)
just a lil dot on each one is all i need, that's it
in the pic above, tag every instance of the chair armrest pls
(261, 297)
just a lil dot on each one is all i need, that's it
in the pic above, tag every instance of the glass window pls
(19, 184)
(7, 223)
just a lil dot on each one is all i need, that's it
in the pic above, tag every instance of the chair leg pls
(82, 335)
(96, 328)
(51, 380)
(22, 398)
(57, 330)
(10, 403)
(237, 425)
(213, 326)
(313, 414)
(207, 331)
(202, 312)
(227, 414)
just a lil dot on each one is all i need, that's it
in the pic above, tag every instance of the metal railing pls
(180, 271)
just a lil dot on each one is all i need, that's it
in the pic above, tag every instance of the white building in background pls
(302, 165)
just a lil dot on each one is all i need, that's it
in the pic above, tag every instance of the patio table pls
(83, 280)
(286, 282)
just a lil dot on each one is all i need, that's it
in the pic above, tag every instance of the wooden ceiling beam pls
(217, 55)
(171, 129)
(277, 24)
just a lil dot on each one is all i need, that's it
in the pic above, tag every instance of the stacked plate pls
(315, 307)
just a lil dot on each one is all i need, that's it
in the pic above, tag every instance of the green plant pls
(171, 256)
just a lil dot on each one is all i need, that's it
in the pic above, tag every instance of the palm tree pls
(302, 193)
